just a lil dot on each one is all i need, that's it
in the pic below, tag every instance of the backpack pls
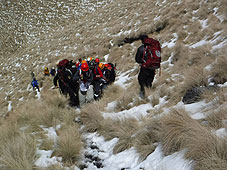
(151, 54)
(112, 72)
(61, 70)
(63, 63)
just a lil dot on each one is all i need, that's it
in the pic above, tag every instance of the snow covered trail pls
(99, 155)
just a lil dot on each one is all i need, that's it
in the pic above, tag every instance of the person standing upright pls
(149, 57)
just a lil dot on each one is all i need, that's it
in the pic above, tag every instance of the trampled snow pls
(129, 159)
(135, 112)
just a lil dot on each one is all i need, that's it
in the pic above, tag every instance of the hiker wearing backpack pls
(111, 72)
(46, 71)
(52, 71)
(63, 78)
(84, 77)
(35, 84)
(98, 80)
(149, 57)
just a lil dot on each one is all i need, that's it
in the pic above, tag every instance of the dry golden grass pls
(207, 150)
(213, 22)
(48, 111)
(8, 130)
(180, 53)
(219, 70)
(154, 100)
(124, 132)
(200, 56)
(146, 136)
(195, 77)
(111, 93)
(54, 167)
(123, 144)
(47, 144)
(18, 153)
(220, 97)
(125, 101)
(179, 131)
(91, 117)
(175, 126)
(216, 119)
(69, 145)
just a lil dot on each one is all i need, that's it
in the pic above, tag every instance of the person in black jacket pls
(146, 74)
(63, 78)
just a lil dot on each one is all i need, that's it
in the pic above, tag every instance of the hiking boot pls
(142, 94)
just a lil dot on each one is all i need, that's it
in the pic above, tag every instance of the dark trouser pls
(74, 100)
(97, 88)
(36, 86)
(145, 78)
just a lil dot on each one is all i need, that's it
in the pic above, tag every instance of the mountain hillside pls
(155, 130)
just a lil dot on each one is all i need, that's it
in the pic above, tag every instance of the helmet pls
(84, 67)
(97, 60)
(89, 59)
(84, 61)
(101, 66)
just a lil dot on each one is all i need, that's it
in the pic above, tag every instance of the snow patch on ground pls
(129, 159)
(136, 112)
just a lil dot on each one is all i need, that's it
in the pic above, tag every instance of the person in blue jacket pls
(35, 84)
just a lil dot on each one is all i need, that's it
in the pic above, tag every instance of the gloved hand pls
(144, 65)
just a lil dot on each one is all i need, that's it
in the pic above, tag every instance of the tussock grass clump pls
(216, 119)
(179, 131)
(48, 111)
(8, 130)
(200, 56)
(124, 132)
(91, 117)
(207, 150)
(18, 153)
(125, 101)
(69, 145)
(180, 53)
(122, 129)
(146, 137)
(219, 97)
(175, 126)
(123, 144)
(110, 94)
(195, 77)
(54, 167)
(154, 100)
(219, 70)
(47, 144)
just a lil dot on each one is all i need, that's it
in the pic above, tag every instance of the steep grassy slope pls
(193, 36)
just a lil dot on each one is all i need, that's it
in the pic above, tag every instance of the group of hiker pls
(52, 72)
(85, 80)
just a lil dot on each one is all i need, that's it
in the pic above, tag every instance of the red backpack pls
(152, 53)
(63, 63)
